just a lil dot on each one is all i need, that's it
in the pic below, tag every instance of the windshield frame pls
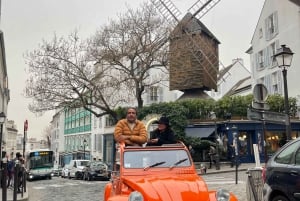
(141, 159)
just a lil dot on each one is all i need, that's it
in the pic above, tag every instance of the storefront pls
(268, 138)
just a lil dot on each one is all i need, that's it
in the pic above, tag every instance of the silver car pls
(65, 171)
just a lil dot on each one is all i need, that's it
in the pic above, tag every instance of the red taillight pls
(263, 174)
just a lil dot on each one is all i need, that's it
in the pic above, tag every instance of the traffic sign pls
(260, 106)
(254, 114)
(260, 93)
(276, 117)
(267, 116)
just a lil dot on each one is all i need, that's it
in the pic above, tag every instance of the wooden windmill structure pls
(194, 54)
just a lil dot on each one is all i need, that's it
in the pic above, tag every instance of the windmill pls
(194, 57)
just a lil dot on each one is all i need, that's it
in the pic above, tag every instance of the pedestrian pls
(211, 153)
(20, 173)
(10, 173)
(130, 130)
(231, 154)
(191, 150)
(163, 134)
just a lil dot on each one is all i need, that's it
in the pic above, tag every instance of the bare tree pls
(47, 135)
(61, 75)
(107, 71)
(132, 45)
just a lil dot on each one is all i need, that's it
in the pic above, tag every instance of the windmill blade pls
(201, 7)
(193, 47)
(168, 10)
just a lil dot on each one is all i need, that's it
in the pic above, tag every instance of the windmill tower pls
(194, 54)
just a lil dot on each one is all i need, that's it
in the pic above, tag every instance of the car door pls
(293, 176)
(286, 172)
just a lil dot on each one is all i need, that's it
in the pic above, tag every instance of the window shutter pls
(160, 94)
(267, 29)
(265, 57)
(256, 62)
(275, 18)
(279, 74)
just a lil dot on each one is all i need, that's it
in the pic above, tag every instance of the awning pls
(202, 132)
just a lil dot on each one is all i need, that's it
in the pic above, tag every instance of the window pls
(272, 48)
(271, 24)
(154, 93)
(274, 81)
(260, 59)
(95, 122)
(109, 121)
(260, 33)
(285, 157)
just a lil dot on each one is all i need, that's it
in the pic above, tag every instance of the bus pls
(39, 164)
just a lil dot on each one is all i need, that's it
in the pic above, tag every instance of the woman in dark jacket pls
(163, 134)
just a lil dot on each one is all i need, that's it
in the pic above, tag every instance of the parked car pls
(65, 171)
(76, 168)
(57, 170)
(282, 174)
(158, 173)
(96, 170)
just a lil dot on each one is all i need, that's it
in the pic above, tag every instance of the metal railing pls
(254, 186)
(19, 179)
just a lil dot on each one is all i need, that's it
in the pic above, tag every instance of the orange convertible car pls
(158, 173)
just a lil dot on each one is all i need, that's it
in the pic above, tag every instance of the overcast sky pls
(26, 23)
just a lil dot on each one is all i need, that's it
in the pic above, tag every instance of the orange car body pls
(157, 173)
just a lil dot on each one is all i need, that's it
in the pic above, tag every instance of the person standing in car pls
(163, 134)
(130, 130)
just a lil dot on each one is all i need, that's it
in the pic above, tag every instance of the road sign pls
(267, 116)
(260, 106)
(254, 114)
(275, 117)
(260, 93)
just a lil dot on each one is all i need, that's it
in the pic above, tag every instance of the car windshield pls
(97, 165)
(82, 163)
(165, 158)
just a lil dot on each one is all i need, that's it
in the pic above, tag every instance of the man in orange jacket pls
(130, 130)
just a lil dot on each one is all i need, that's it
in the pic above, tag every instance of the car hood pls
(178, 187)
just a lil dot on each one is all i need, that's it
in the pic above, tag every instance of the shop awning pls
(202, 132)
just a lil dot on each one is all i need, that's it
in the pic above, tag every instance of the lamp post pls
(284, 57)
(2, 120)
(25, 136)
(84, 144)
(235, 143)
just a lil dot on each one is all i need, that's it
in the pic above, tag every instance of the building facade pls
(278, 24)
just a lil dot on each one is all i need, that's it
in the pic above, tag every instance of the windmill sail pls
(194, 58)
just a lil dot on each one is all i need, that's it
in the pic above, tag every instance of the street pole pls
(83, 151)
(235, 144)
(2, 172)
(4, 179)
(217, 148)
(24, 137)
(286, 105)
(284, 56)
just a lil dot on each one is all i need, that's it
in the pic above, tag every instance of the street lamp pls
(235, 143)
(2, 120)
(284, 57)
(84, 144)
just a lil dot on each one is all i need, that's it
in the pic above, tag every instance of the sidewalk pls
(10, 195)
(225, 167)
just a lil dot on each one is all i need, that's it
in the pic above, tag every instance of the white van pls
(76, 167)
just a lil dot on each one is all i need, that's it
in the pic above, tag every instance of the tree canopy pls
(110, 69)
